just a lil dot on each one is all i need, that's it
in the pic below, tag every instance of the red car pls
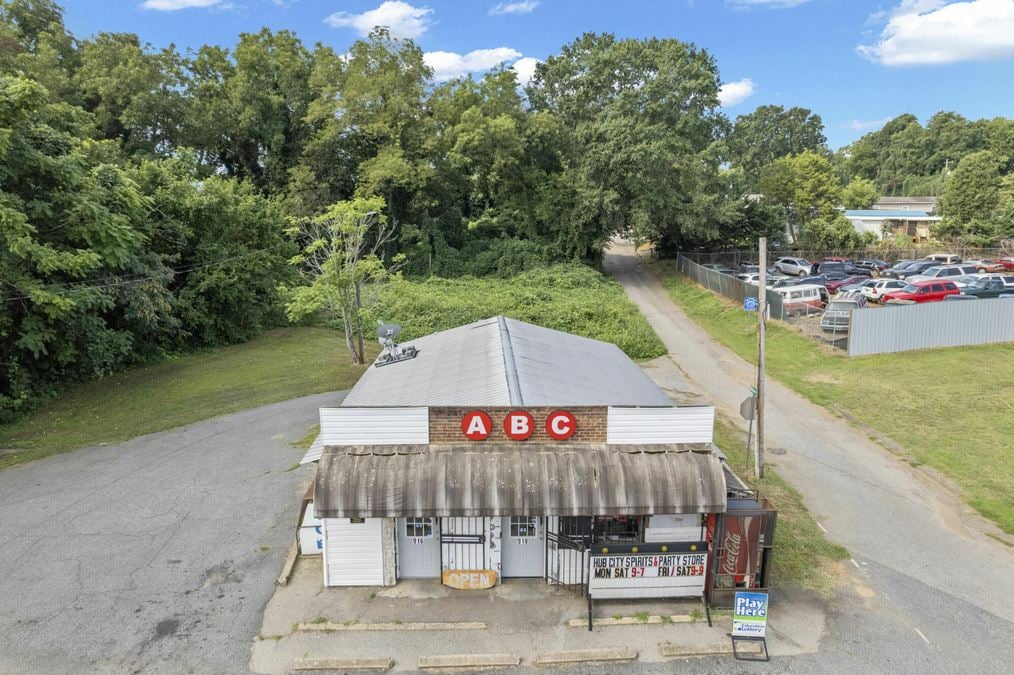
(833, 286)
(1008, 263)
(923, 291)
(836, 258)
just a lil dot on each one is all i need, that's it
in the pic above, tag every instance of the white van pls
(802, 299)
(944, 258)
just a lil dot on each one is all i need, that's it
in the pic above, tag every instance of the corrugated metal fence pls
(727, 285)
(932, 324)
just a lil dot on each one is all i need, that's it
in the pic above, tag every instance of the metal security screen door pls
(418, 548)
(524, 547)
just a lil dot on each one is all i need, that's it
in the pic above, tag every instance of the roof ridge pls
(510, 367)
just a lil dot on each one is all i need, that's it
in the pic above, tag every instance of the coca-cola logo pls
(731, 545)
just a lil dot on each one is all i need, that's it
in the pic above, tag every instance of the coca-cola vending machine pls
(740, 541)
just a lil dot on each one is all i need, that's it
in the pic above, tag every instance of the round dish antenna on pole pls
(392, 352)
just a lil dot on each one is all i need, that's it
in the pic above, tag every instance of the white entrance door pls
(418, 548)
(524, 547)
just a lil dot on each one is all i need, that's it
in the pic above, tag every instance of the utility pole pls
(762, 307)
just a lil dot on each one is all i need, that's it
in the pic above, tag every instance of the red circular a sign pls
(561, 425)
(518, 425)
(476, 425)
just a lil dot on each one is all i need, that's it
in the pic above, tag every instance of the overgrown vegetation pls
(950, 409)
(572, 298)
(279, 365)
(148, 197)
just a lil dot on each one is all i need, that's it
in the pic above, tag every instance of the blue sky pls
(857, 63)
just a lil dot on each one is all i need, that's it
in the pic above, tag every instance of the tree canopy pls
(148, 196)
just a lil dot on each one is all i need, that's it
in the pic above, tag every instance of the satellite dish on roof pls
(392, 352)
(388, 331)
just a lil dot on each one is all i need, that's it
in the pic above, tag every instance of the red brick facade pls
(445, 425)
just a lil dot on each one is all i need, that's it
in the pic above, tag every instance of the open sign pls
(518, 425)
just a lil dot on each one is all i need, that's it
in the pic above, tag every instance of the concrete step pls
(468, 661)
(585, 656)
(668, 650)
(361, 664)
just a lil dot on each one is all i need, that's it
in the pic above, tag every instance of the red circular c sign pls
(560, 425)
(518, 425)
(476, 425)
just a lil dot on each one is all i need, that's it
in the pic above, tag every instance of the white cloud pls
(173, 5)
(448, 65)
(526, 7)
(525, 69)
(933, 32)
(864, 125)
(403, 20)
(733, 93)
(777, 4)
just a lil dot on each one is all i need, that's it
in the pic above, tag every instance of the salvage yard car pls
(985, 288)
(944, 271)
(802, 299)
(923, 291)
(794, 266)
(880, 287)
(838, 313)
(984, 266)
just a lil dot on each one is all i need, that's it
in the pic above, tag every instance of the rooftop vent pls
(392, 352)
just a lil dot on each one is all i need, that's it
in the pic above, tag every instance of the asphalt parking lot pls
(156, 555)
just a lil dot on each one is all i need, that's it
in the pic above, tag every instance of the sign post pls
(749, 625)
(762, 297)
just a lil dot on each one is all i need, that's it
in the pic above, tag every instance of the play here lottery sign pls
(750, 614)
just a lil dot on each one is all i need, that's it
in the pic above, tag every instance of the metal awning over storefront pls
(388, 481)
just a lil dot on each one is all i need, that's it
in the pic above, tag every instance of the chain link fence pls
(735, 258)
(802, 307)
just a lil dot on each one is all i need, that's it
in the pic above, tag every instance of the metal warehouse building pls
(505, 450)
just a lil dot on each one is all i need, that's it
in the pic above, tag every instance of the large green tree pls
(771, 132)
(642, 120)
(805, 185)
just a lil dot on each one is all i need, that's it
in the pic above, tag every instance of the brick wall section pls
(445, 425)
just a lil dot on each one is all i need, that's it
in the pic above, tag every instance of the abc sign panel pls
(518, 425)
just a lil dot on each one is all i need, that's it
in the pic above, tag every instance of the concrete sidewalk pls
(523, 619)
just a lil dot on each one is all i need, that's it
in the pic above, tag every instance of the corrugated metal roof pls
(507, 479)
(557, 368)
(460, 366)
(315, 451)
(501, 362)
(885, 213)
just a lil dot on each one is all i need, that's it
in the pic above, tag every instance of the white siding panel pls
(690, 424)
(353, 552)
(374, 426)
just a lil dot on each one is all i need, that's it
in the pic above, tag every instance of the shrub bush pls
(568, 297)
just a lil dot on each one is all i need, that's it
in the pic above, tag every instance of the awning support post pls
(589, 612)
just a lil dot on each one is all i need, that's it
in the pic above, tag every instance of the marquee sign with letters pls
(518, 425)
(655, 570)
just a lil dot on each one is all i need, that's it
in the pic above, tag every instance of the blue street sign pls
(750, 304)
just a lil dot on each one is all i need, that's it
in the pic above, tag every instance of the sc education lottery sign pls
(750, 615)
(657, 574)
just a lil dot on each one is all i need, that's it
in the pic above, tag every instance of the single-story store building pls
(502, 449)
(883, 222)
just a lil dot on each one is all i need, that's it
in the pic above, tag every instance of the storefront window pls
(618, 529)
(421, 528)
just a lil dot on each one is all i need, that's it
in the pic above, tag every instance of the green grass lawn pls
(803, 556)
(951, 409)
(279, 365)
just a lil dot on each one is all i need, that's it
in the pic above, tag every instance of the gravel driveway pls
(158, 554)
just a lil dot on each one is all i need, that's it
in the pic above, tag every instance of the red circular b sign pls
(560, 425)
(518, 425)
(476, 425)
